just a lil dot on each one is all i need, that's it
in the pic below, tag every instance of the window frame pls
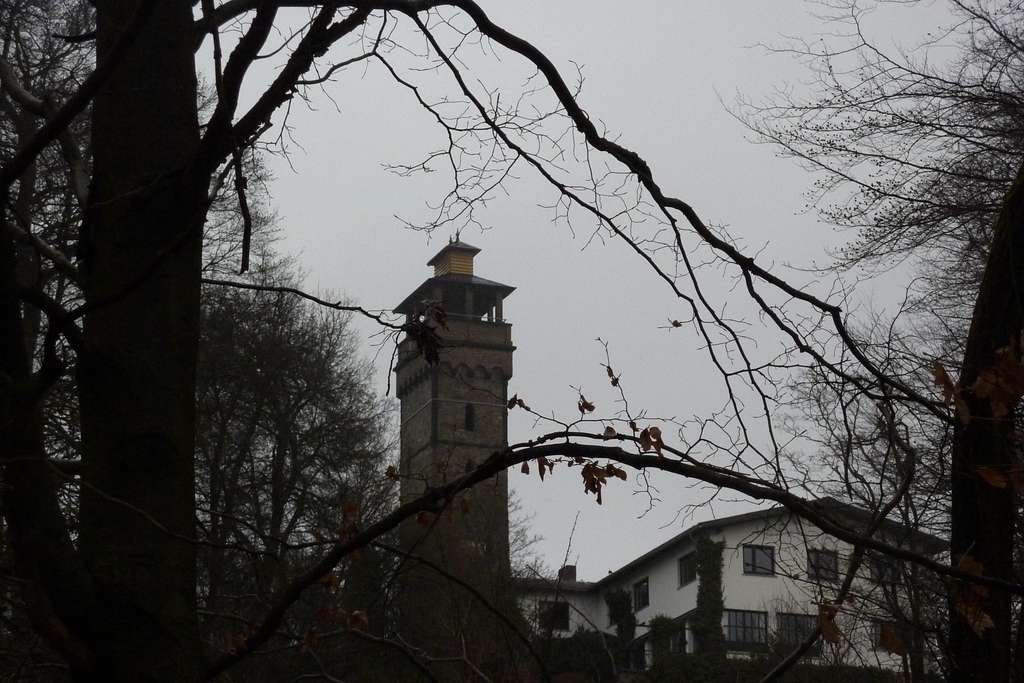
(795, 636)
(677, 640)
(550, 615)
(646, 583)
(752, 568)
(900, 630)
(687, 558)
(814, 569)
(884, 570)
(747, 625)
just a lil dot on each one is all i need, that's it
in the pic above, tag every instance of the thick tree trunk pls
(983, 516)
(141, 262)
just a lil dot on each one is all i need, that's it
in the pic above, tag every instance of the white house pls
(776, 572)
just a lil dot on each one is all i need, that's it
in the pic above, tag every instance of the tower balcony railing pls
(479, 318)
(460, 330)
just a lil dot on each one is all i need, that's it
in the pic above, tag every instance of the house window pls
(890, 636)
(687, 569)
(677, 641)
(641, 595)
(793, 629)
(745, 630)
(822, 565)
(469, 420)
(553, 616)
(759, 559)
(884, 570)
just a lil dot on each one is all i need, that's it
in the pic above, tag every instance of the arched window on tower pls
(469, 421)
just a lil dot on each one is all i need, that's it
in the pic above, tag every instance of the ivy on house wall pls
(660, 630)
(620, 613)
(706, 622)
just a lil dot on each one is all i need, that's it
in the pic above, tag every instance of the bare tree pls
(291, 445)
(919, 156)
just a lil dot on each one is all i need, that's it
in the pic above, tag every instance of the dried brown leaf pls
(1002, 385)
(944, 381)
(993, 477)
(968, 598)
(970, 565)
(969, 607)
(827, 623)
(594, 478)
(543, 463)
(656, 441)
(951, 392)
(613, 471)
(889, 639)
(358, 620)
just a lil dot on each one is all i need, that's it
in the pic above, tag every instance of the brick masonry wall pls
(470, 539)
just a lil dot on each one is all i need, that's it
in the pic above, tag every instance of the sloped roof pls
(457, 245)
(561, 585)
(422, 292)
(827, 504)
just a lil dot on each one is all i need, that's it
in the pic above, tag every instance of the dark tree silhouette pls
(920, 157)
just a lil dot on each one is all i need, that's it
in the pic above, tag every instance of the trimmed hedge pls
(699, 669)
(585, 653)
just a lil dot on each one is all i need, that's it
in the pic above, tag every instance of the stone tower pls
(453, 414)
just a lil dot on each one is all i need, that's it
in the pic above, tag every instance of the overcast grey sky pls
(656, 74)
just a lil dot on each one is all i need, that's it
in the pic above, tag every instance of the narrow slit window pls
(469, 419)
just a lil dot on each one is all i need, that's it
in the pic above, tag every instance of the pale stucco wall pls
(789, 590)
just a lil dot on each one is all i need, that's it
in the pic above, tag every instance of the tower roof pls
(453, 248)
(455, 257)
(455, 285)
(430, 287)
